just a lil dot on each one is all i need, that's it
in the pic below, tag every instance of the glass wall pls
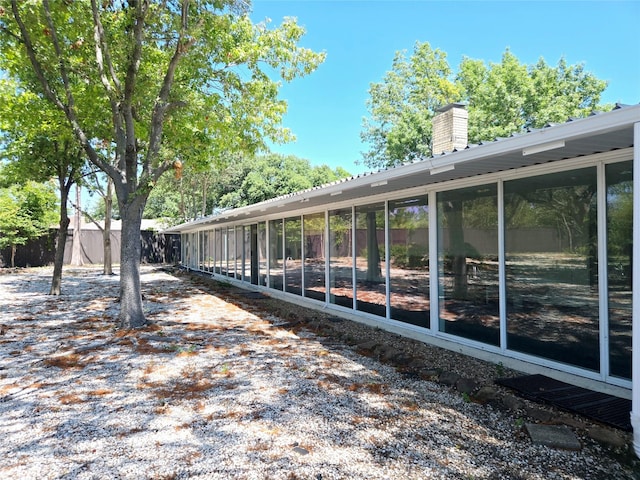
(468, 263)
(293, 255)
(212, 252)
(619, 248)
(246, 253)
(409, 260)
(262, 253)
(276, 251)
(552, 301)
(314, 258)
(371, 269)
(206, 255)
(224, 248)
(341, 258)
(551, 267)
(238, 256)
(231, 252)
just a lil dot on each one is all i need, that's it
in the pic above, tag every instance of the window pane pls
(619, 249)
(239, 251)
(211, 251)
(340, 258)
(551, 267)
(293, 253)
(201, 256)
(370, 263)
(276, 264)
(222, 258)
(409, 257)
(246, 254)
(468, 263)
(314, 226)
(231, 252)
(262, 253)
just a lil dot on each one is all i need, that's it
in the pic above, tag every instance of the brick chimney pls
(450, 128)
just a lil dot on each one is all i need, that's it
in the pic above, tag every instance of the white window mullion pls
(603, 284)
(387, 258)
(353, 257)
(502, 268)
(433, 264)
(267, 235)
(302, 258)
(327, 259)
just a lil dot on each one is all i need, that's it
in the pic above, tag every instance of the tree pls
(177, 81)
(509, 97)
(256, 179)
(25, 213)
(503, 98)
(243, 181)
(36, 146)
(402, 105)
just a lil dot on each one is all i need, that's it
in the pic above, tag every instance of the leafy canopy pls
(502, 98)
(26, 212)
(240, 181)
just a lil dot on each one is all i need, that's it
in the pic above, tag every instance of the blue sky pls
(361, 37)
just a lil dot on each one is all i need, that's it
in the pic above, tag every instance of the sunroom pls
(518, 251)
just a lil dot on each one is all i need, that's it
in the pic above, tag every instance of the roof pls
(597, 133)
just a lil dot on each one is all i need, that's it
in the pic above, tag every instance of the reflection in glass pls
(262, 253)
(211, 250)
(314, 265)
(551, 266)
(468, 263)
(221, 256)
(276, 251)
(409, 258)
(293, 255)
(239, 251)
(340, 258)
(201, 251)
(371, 294)
(619, 248)
(246, 254)
(231, 252)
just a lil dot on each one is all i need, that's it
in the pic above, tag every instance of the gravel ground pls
(223, 386)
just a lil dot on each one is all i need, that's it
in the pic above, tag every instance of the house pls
(519, 250)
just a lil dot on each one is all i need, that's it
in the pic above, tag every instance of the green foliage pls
(26, 212)
(409, 256)
(503, 98)
(236, 182)
(142, 84)
(403, 104)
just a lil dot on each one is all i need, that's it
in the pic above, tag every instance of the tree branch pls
(102, 51)
(31, 53)
(113, 92)
(68, 109)
(161, 106)
(130, 153)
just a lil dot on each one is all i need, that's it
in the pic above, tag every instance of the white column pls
(635, 363)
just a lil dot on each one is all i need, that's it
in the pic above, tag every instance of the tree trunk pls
(373, 251)
(458, 250)
(76, 251)
(61, 241)
(106, 233)
(13, 256)
(131, 312)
